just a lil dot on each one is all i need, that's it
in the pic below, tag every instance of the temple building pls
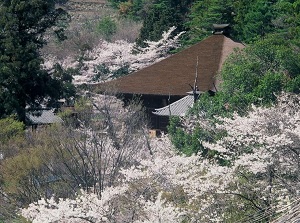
(171, 80)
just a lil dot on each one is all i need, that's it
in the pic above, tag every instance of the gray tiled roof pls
(40, 117)
(178, 108)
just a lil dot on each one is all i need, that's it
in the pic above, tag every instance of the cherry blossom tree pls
(262, 149)
(111, 59)
(259, 182)
(117, 204)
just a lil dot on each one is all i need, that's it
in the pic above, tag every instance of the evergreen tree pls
(162, 15)
(249, 20)
(23, 82)
(204, 14)
(289, 18)
(258, 20)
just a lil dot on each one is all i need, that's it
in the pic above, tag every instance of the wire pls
(293, 207)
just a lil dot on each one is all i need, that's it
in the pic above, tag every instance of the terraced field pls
(85, 8)
(82, 31)
(84, 5)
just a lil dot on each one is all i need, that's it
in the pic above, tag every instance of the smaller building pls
(42, 117)
(179, 107)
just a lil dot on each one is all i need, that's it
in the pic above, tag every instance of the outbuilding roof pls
(178, 108)
(42, 117)
(173, 75)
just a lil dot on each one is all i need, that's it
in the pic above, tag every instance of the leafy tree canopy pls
(263, 69)
(107, 27)
(162, 15)
(10, 128)
(204, 14)
(255, 75)
(250, 20)
(23, 82)
(133, 9)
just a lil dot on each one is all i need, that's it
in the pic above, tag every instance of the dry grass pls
(82, 31)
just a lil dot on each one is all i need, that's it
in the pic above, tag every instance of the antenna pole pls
(195, 82)
(196, 74)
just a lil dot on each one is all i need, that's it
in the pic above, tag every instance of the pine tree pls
(162, 15)
(206, 13)
(23, 82)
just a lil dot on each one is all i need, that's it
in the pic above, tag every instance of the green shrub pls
(10, 128)
(107, 27)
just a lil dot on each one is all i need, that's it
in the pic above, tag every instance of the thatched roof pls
(173, 75)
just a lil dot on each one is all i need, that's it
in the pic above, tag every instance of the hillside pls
(233, 158)
(83, 31)
(85, 8)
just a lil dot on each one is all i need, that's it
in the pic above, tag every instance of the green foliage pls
(133, 9)
(208, 106)
(23, 81)
(260, 71)
(294, 85)
(102, 72)
(289, 16)
(19, 175)
(67, 116)
(61, 85)
(189, 142)
(158, 20)
(181, 139)
(257, 21)
(83, 109)
(107, 27)
(206, 13)
(11, 136)
(269, 84)
(162, 15)
(33, 172)
(83, 105)
(121, 71)
(250, 20)
(10, 128)
(115, 3)
(12, 218)
(254, 75)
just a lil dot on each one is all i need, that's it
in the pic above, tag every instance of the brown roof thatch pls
(173, 75)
